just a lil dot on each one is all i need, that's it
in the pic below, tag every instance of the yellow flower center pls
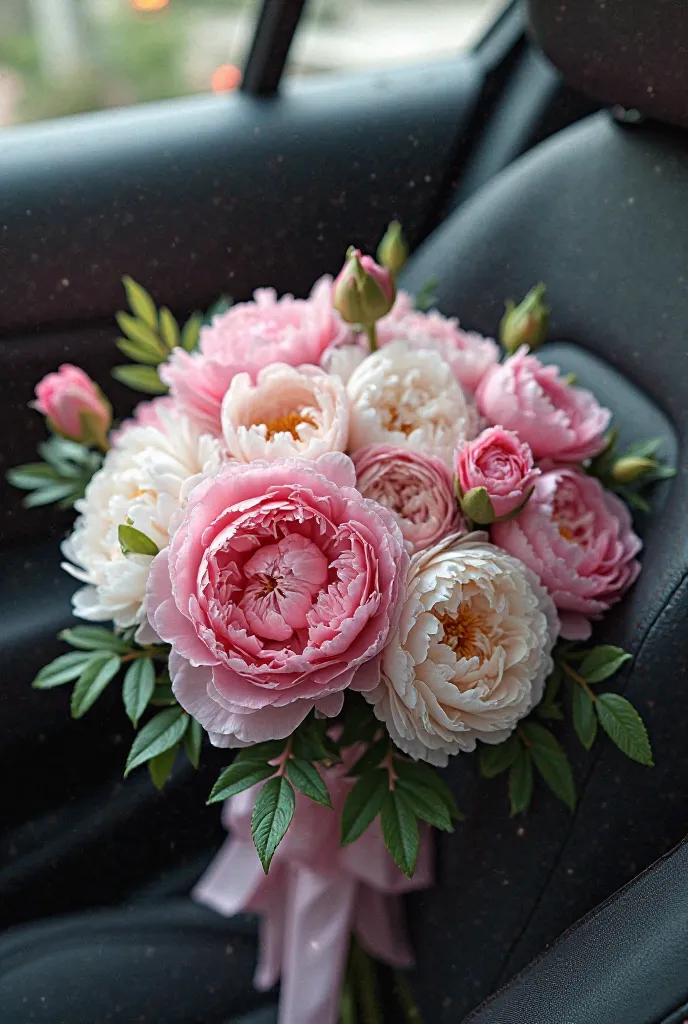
(465, 632)
(288, 424)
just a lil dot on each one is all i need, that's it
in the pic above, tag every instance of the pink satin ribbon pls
(314, 896)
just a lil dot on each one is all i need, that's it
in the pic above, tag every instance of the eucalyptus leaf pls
(624, 726)
(140, 301)
(97, 673)
(138, 688)
(272, 814)
(159, 734)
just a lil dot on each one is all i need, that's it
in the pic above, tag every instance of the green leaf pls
(311, 742)
(139, 684)
(169, 328)
(553, 765)
(644, 449)
(371, 757)
(271, 817)
(62, 670)
(426, 804)
(140, 352)
(624, 726)
(161, 733)
(425, 297)
(32, 475)
(426, 775)
(138, 331)
(493, 760)
(134, 542)
(602, 662)
(360, 723)
(363, 804)
(140, 378)
(48, 495)
(98, 672)
(140, 301)
(239, 776)
(307, 779)
(521, 783)
(550, 712)
(584, 720)
(94, 638)
(552, 686)
(191, 331)
(267, 751)
(193, 740)
(163, 696)
(400, 831)
(160, 766)
(633, 499)
(220, 306)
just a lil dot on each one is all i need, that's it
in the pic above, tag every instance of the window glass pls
(66, 56)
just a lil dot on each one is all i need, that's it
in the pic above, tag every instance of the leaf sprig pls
(630, 472)
(98, 657)
(62, 476)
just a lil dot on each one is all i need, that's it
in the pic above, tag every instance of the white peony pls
(287, 413)
(342, 360)
(471, 653)
(145, 479)
(409, 398)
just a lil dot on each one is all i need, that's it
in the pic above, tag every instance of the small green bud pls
(630, 468)
(393, 252)
(525, 324)
(478, 507)
(363, 291)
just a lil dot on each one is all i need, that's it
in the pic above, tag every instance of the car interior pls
(553, 150)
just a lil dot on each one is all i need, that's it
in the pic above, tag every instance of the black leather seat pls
(600, 212)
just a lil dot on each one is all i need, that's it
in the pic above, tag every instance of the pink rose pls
(579, 539)
(280, 588)
(498, 461)
(246, 338)
(558, 421)
(416, 487)
(469, 354)
(74, 405)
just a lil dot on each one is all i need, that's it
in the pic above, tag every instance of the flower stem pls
(347, 1007)
(363, 971)
(577, 678)
(405, 997)
(371, 335)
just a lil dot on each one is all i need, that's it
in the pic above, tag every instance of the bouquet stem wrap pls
(315, 896)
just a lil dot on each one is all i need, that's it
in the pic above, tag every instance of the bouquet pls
(347, 540)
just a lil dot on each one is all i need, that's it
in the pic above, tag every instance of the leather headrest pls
(628, 52)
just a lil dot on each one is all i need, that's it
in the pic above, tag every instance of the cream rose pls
(287, 413)
(409, 398)
(471, 653)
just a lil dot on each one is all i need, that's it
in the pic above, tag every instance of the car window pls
(62, 57)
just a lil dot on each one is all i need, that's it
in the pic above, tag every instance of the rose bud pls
(630, 468)
(525, 324)
(74, 406)
(364, 291)
(495, 475)
(393, 251)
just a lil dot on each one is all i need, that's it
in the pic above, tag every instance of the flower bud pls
(392, 252)
(74, 406)
(630, 468)
(525, 324)
(364, 291)
(477, 506)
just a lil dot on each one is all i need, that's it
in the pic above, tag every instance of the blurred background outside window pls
(67, 56)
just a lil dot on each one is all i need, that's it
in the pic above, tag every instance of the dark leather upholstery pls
(630, 52)
(623, 964)
(600, 213)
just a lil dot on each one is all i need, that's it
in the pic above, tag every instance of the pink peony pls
(579, 539)
(469, 354)
(501, 463)
(558, 421)
(246, 338)
(74, 405)
(416, 487)
(279, 589)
